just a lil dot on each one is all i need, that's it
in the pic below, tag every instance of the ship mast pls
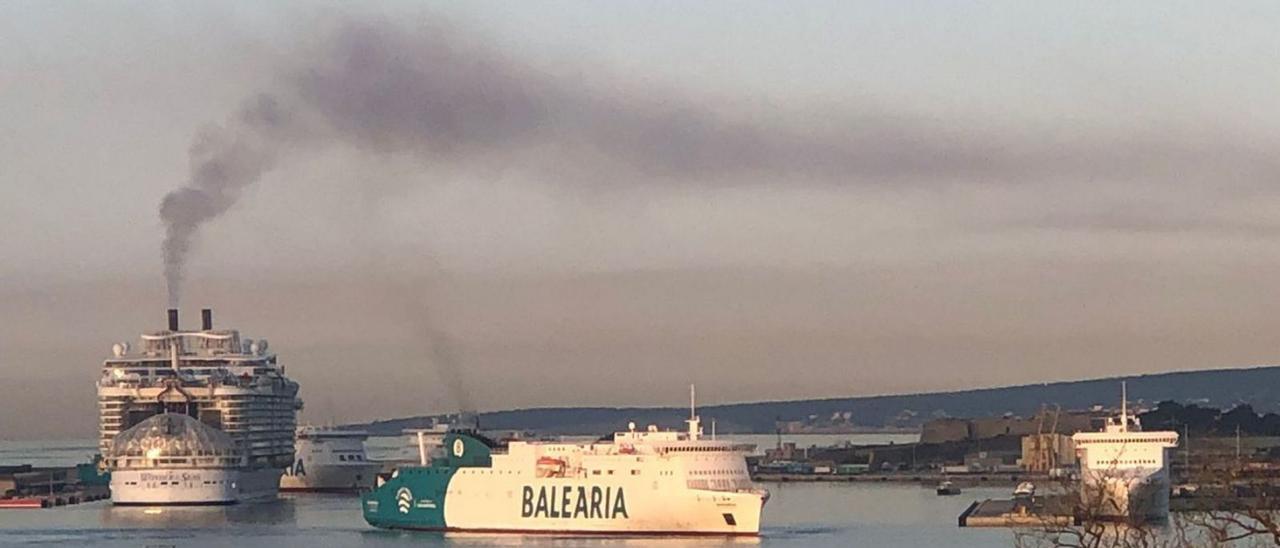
(1124, 406)
(694, 429)
(173, 352)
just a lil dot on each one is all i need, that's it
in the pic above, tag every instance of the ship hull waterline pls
(188, 487)
(471, 501)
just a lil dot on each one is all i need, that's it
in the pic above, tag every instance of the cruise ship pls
(638, 482)
(195, 417)
(1124, 471)
(330, 460)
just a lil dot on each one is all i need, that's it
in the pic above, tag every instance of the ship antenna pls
(1124, 406)
(694, 428)
(173, 352)
(693, 406)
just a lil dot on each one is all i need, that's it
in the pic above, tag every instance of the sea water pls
(797, 514)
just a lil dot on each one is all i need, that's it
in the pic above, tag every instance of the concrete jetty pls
(1019, 512)
(28, 487)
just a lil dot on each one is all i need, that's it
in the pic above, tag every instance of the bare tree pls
(1070, 516)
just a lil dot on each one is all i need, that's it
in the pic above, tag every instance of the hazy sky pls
(501, 204)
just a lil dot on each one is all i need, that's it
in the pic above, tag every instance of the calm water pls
(797, 515)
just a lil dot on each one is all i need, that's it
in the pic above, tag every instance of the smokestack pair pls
(206, 319)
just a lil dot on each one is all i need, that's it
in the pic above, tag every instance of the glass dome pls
(171, 435)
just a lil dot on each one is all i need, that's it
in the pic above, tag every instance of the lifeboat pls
(550, 467)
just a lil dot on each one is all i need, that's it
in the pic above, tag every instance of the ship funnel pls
(206, 319)
(173, 319)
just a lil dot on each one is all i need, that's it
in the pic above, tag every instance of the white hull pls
(1124, 471)
(193, 486)
(643, 482)
(481, 502)
(332, 477)
(1131, 496)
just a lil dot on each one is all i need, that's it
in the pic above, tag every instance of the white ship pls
(195, 417)
(641, 482)
(330, 460)
(1124, 472)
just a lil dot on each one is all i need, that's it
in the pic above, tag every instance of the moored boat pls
(947, 488)
(1024, 490)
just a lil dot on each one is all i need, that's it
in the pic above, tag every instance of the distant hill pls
(1221, 388)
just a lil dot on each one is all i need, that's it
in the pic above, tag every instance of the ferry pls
(638, 482)
(330, 460)
(195, 417)
(1124, 471)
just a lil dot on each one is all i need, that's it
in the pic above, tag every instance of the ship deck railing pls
(134, 462)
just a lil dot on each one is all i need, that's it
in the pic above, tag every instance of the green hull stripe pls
(415, 497)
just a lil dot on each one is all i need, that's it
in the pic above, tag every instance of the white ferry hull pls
(497, 504)
(1144, 497)
(159, 487)
(668, 486)
(1124, 470)
(348, 478)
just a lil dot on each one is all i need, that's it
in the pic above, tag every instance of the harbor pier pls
(29, 487)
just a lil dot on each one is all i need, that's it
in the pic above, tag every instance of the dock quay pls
(28, 487)
(928, 480)
(65, 498)
(1019, 512)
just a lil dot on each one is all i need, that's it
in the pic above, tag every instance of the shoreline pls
(925, 480)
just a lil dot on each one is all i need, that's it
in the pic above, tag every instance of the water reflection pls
(379, 536)
(278, 512)
(469, 539)
(801, 515)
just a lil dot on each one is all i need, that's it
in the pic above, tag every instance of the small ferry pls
(330, 460)
(638, 482)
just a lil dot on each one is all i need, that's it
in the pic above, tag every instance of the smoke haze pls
(871, 196)
(442, 94)
(224, 160)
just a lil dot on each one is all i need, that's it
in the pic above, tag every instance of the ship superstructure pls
(1124, 471)
(638, 482)
(330, 460)
(196, 417)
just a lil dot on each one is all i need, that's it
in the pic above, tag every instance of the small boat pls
(1024, 489)
(947, 488)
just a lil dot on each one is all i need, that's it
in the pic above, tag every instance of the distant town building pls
(991, 461)
(955, 429)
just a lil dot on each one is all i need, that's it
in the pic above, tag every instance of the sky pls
(427, 206)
